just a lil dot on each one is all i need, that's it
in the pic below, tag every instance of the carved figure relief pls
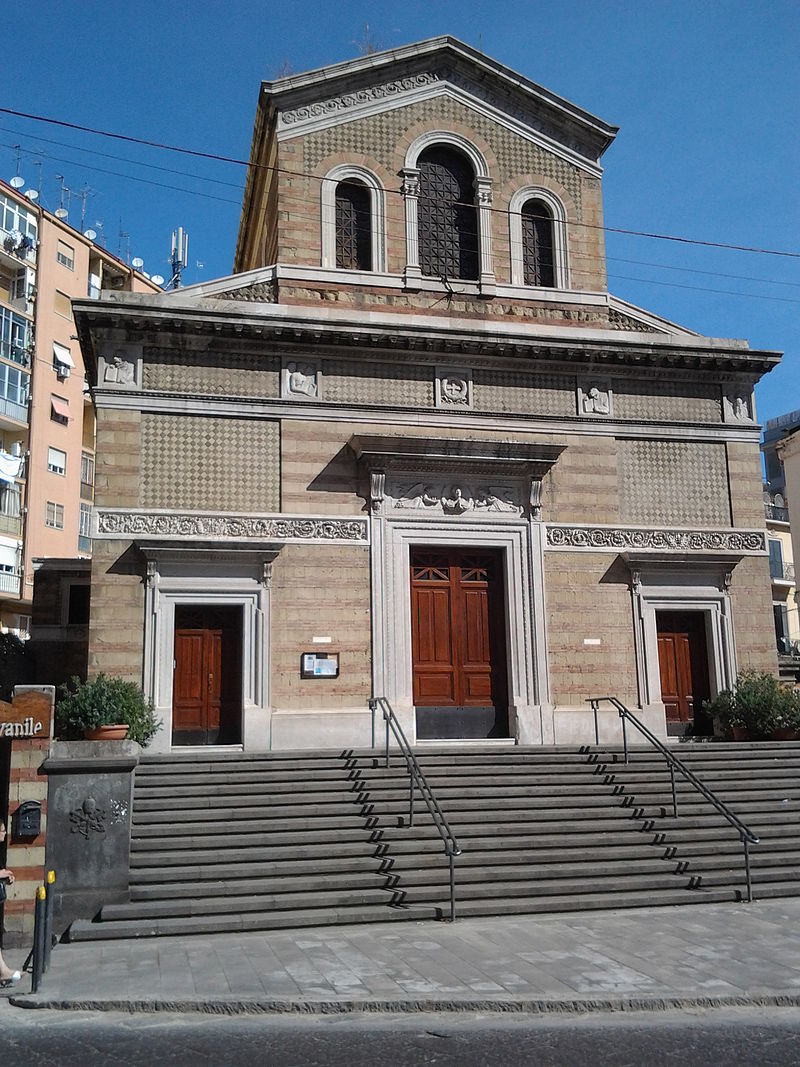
(301, 380)
(119, 371)
(453, 388)
(458, 499)
(87, 818)
(594, 400)
(737, 407)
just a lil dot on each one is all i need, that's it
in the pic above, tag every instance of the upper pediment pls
(441, 66)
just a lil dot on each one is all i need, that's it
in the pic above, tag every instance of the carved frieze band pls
(620, 539)
(336, 104)
(176, 525)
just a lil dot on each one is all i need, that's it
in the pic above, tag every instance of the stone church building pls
(413, 448)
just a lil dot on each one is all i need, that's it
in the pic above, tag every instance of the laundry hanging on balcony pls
(10, 467)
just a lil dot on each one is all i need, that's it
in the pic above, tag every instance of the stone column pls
(410, 191)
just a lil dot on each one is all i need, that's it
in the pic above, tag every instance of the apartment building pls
(46, 416)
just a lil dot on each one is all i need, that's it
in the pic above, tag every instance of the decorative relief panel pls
(456, 498)
(454, 388)
(608, 538)
(187, 525)
(673, 482)
(206, 462)
(667, 401)
(595, 398)
(351, 382)
(215, 373)
(119, 365)
(301, 380)
(738, 406)
(519, 392)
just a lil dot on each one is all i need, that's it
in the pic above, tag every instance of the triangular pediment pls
(438, 67)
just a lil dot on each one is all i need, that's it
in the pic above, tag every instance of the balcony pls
(10, 582)
(775, 513)
(17, 248)
(16, 353)
(781, 572)
(11, 524)
(11, 410)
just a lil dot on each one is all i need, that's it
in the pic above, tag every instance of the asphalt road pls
(735, 1038)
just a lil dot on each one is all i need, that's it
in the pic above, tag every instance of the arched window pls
(352, 220)
(537, 244)
(448, 219)
(353, 226)
(537, 223)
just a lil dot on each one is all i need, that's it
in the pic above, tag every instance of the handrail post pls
(595, 709)
(410, 795)
(674, 794)
(747, 869)
(624, 734)
(386, 720)
(452, 886)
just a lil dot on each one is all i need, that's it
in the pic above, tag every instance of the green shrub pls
(104, 701)
(758, 703)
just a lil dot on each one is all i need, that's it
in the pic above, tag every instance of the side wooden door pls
(206, 708)
(683, 665)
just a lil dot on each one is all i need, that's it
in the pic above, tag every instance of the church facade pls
(413, 448)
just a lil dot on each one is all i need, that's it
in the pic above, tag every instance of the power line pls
(216, 157)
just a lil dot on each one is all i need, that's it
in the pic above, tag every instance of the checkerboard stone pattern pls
(348, 382)
(673, 483)
(218, 373)
(668, 401)
(208, 463)
(520, 393)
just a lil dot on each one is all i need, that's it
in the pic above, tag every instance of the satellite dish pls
(17, 182)
(137, 263)
(61, 213)
(158, 279)
(91, 234)
(31, 194)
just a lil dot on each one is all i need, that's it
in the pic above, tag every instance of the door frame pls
(520, 544)
(695, 586)
(216, 579)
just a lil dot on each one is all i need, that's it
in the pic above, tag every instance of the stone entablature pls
(596, 538)
(182, 526)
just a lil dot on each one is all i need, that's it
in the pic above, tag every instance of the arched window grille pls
(353, 226)
(538, 257)
(448, 219)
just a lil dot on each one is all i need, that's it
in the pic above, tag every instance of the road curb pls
(506, 1006)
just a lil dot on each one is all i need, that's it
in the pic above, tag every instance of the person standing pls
(7, 976)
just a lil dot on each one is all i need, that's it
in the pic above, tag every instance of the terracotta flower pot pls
(112, 732)
(740, 733)
(785, 733)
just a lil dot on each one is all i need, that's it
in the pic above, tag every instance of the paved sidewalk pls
(648, 959)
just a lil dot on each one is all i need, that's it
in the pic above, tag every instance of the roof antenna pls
(178, 257)
(61, 211)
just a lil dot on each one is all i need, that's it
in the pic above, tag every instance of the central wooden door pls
(207, 676)
(457, 637)
(683, 667)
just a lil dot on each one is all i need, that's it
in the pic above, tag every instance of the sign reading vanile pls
(27, 718)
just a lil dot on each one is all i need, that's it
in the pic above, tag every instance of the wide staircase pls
(240, 842)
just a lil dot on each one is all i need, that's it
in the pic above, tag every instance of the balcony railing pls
(13, 411)
(21, 247)
(782, 572)
(11, 524)
(84, 543)
(10, 582)
(775, 513)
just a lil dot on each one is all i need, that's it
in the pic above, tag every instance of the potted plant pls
(90, 709)
(758, 707)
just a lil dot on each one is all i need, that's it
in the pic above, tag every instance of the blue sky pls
(707, 97)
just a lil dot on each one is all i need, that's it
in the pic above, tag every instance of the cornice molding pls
(169, 525)
(596, 538)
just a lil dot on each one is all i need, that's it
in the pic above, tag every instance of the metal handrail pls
(746, 835)
(418, 779)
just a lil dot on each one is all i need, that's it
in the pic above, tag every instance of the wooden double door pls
(207, 676)
(458, 643)
(683, 667)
